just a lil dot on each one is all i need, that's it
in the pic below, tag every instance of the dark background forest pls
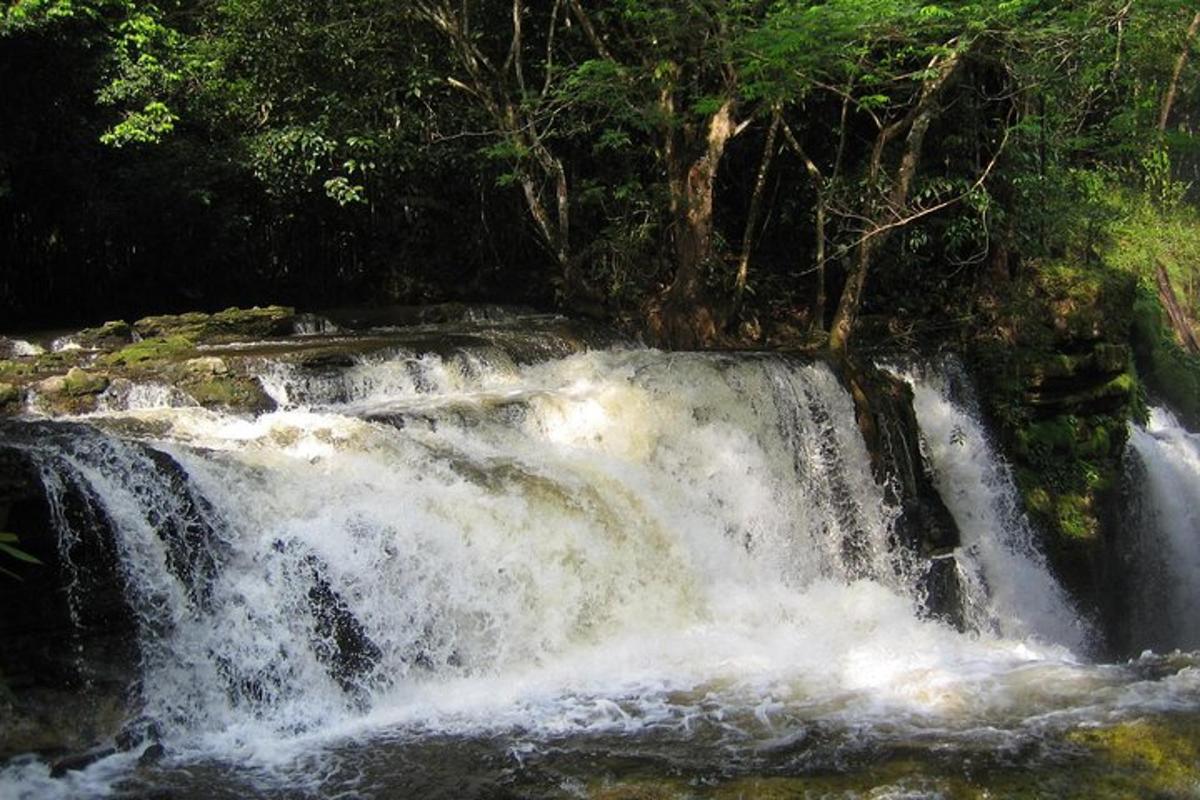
(706, 171)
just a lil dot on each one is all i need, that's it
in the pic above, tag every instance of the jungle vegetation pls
(708, 171)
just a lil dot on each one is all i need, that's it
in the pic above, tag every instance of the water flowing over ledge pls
(492, 553)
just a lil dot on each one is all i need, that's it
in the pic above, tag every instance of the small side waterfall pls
(1009, 587)
(1163, 527)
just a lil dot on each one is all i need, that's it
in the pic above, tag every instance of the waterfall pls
(1163, 528)
(415, 520)
(556, 542)
(1009, 586)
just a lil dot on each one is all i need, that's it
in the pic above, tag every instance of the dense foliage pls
(708, 169)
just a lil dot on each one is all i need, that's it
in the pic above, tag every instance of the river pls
(537, 568)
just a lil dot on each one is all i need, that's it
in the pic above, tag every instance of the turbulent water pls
(482, 573)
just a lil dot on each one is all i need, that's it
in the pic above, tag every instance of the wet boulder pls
(69, 653)
(884, 409)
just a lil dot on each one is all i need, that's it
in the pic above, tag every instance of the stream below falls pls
(522, 568)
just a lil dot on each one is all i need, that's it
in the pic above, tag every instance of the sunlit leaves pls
(147, 126)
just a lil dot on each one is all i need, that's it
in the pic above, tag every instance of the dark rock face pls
(1056, 377)
(926, 528)
(69, 656)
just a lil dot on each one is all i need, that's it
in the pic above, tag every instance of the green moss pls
(22, 370)
(9, 394)
(1055, 369)
(640, 790)
(232, 324)
(235, 392)
(10, 369)
(1146, 758)
(150, 350)
(1074, 516)
(80, 382)
(1170, 371)
(56, 362)
(109, 335)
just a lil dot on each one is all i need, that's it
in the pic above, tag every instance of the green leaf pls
(16, 552)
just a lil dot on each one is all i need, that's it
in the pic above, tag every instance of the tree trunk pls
(846, 316)
(821, 299)
(755, 213)
(1175, 313)
(1180, 63)
(818, 314)
(688, 320)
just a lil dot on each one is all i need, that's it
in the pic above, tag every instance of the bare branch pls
(589, 31)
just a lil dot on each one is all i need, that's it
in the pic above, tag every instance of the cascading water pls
(1164, 526)
(468, 559)
(1009, 587)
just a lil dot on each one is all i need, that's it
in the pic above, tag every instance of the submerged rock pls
(79, 761)
(152, 755)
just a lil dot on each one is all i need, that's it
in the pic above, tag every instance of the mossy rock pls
(229, 392)
(1145, 758)
(151, 351)
(1055, 371)
(12, 370)
(54, 397)
(49, 363)
(232, 324)
(79, 382)
(10, 398)
(641, 790)
(109, 336)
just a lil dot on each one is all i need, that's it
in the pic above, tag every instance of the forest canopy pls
(705, 169)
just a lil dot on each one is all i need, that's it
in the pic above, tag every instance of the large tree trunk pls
(850, 301)
(687, 318)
